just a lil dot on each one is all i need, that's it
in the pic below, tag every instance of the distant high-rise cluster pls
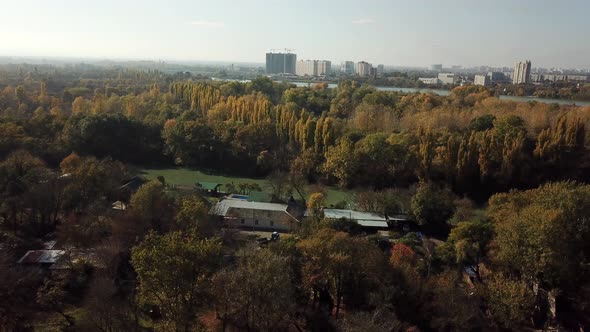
(281, 63)
(313, 67)
(522, 72)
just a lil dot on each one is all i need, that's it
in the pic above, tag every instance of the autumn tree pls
(193, 214)
(315, 204)
(333, 261)
(510, 301)
(541, 239)
(340, 162)
(257, 293)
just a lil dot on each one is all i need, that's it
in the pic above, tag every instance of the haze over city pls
(398, 33)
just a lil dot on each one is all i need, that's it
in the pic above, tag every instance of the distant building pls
(307, 68)
(481, 80)
(577, 78)
(536, 78)
(447, 78)
(256, 215)
(436, 68)
(363, 68)
(347, 67)
(429, 80)
(496, 76)
(313, 67)
(561, 77)
(522, 72)
(324, 67)
(380, 70)
(281, 63)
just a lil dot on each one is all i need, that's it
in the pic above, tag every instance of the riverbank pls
(440, 92)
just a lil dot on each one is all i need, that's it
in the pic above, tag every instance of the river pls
(442, 92)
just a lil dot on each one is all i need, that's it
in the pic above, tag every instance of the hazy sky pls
(393, 32)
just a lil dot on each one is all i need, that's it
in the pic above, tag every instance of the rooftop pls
(41, 256)
(353, 215)
(222, 208)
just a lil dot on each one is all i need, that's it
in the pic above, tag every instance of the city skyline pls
(394, 33)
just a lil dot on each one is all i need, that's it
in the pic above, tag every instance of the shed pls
(364, 219)
(210, 187)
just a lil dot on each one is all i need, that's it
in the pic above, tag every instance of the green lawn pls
(188, 177)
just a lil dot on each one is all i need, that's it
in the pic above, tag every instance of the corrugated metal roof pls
(41, 256)
(353, 215)
(368, 223)
(221, 208)
(49, 244)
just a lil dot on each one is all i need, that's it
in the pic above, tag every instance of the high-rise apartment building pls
(380, 70)
(281, 63)
(483, 80)
(313, 67)
(522, 72)
(363, 68)
(307, 68)
(324, 67)
(347, 67)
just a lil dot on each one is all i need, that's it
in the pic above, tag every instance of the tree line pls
(518, 262)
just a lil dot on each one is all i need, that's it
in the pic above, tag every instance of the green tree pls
(151, 205)
(174, 271)
(466, 245)
(431, 206)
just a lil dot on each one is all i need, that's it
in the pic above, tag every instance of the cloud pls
(363, 21)
(210, 24)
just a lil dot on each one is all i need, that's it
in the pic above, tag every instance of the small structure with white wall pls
(447, 78)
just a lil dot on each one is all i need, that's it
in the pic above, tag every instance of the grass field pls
(188, 177)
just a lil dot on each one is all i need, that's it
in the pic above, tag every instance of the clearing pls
(188, 177)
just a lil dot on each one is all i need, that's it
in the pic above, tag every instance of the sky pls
(551, 33)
